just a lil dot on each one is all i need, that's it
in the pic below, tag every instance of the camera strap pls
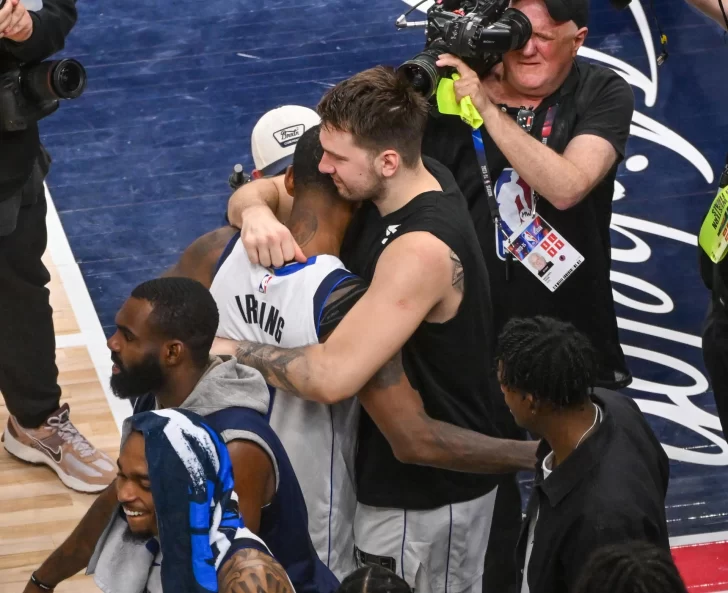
(485, 170)
(479, 146)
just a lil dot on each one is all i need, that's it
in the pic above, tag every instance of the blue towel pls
(197, 509)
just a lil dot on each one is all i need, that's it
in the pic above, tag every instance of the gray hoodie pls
(228, 384)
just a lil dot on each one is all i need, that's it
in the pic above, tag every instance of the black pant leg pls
(715, 355)
(500, 572)
(28, 372)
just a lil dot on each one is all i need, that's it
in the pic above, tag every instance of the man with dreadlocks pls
(636, 567)
(601, 476)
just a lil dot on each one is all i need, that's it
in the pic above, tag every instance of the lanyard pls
(546, 130)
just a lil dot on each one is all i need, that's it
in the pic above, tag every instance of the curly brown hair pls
(381, 110)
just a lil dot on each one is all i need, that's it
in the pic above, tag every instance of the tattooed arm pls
(413, 282)
(200, 259)
(253, 571)
(397, 410)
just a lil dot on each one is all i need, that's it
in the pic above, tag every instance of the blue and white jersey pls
(283, 307)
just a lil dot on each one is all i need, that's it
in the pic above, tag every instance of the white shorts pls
(436, 551)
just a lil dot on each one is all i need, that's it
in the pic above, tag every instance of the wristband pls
(38, 584)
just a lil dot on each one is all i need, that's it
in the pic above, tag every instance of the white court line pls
(83, 309)
(699, 538)
(70, 340)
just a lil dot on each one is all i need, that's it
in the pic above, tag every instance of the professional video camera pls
(30, 92)
(477, 31)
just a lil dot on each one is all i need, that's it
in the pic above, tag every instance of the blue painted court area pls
(175, 87)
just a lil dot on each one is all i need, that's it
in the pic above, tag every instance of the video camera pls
(477, 31)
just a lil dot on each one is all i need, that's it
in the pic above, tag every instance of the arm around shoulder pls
(412, 276)
(268, 192)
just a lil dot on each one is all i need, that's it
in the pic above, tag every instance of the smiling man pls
(177, 525)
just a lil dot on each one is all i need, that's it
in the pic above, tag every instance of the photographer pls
(564, 172)
(38, 430)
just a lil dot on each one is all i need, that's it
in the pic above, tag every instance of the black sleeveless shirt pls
(450, 364)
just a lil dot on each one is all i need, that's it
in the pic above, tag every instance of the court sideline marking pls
(91, 334)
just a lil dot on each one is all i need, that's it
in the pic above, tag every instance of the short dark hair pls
(184, 310)
(306, 159)
(380, 109)
(632, 567)
(373, 579)
(547, 358)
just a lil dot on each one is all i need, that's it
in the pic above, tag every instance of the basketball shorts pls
(436, 551)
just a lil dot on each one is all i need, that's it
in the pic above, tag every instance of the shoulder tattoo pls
(253, 571)
(458, 276)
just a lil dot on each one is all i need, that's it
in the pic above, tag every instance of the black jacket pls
(19, 150)
(610, 490)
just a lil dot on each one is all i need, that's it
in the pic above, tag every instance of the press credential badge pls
(544, 252)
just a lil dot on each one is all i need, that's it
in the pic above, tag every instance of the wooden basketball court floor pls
(37, 512)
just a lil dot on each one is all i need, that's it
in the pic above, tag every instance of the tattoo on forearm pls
(464, 450)
(458, 276)
(253, 571)
(273, 363)
(390, 374)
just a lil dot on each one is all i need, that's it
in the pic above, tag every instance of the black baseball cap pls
(569, 10)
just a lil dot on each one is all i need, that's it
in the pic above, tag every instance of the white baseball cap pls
(275, 136)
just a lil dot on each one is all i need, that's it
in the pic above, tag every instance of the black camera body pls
(477, 31)
(29, 93)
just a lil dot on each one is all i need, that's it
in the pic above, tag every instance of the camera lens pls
(422, 71)
(520, 27)
(53, 80)
(422, 78)
(68, 79)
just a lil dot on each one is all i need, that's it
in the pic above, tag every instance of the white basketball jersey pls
(282, 308)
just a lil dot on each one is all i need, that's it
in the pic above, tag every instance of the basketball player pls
(161, 355)
(163, 456)
(414, 242)
(292, 306)
(301, 304)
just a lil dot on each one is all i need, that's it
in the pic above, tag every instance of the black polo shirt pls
(611, 489)
(593, 100)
